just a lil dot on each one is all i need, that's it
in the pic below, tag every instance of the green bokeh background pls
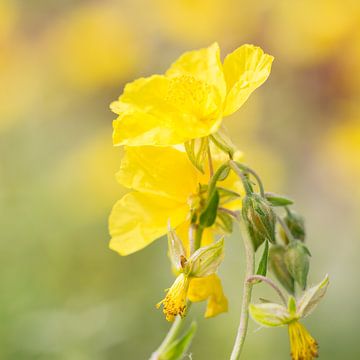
(63, 293)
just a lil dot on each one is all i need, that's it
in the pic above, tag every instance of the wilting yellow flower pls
(165, 188)
(191, 99)
(303, 345)
(175, 299)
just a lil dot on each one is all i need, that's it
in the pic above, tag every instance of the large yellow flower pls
(191, 99)
(165, 186)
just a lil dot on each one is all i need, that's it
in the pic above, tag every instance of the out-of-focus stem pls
(247, 290)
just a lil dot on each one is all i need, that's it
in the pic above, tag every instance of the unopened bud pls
(297, 262)
(279, 268)
(296, 225)
(260, 219)
(206, 260)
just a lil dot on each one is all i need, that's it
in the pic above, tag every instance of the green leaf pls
(178, 348)
(278, 200)
(262, 269)
(196, 150)
(208, 216)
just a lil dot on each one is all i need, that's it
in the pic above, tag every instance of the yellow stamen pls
(303, 345)
(175, 299)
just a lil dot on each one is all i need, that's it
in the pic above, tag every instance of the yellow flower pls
(190, 100)
(209, 288)
(303, 345)
(165, 187)
(175, 299)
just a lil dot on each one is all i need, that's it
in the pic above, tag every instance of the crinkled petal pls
(209, 288)
(164, 171)
(138, 219)
(203, 64)
(165, 111)
(245, 70)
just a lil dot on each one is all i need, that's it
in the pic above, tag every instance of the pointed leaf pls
(208, 216)
(278, 200)
(178, 348)
(262, 269)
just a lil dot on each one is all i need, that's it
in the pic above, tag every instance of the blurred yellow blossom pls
(94, 46)
(190, 100)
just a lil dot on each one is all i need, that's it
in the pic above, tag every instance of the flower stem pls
(169, 338)
(256, 278)
(247, 290)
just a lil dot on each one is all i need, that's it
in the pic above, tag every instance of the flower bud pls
(297, 262)
(296, 225)
(260, 219)
(206, 260)
(279, 268)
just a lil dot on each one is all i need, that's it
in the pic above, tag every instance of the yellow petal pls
(209, 288)
(165, 111)
(203, 64)
(159, 170)
(245, 70)
(138, 219)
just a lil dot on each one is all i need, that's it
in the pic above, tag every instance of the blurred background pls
(63, 293)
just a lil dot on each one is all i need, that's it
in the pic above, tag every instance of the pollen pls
(189, 94)
(303, 345)
(175, 300)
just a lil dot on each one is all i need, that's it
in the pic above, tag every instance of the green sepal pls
(178, 348)
(225, 221)
(296, 225)
(223, 143)
(297, 262)
(292, 305)
(227, 195)
(279, 268)
(208, 216)
(278, 200)
(196, 150)
(262, 268)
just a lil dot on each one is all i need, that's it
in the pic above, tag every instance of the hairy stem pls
(256, 278)
(247, 290)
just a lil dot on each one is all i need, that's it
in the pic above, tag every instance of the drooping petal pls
(165, 171)
(209, 288)
(269, 314)
(203, 64)
(165, 111)
(245, 70)
(138, 219)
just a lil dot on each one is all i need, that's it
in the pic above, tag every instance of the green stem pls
(169, 338)
(198, 235)
(256, 176)
(247, 290)
(286, 228)
(241, 175)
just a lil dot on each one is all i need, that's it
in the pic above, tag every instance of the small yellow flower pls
(191, 99)
(174, 302)
(303, 345)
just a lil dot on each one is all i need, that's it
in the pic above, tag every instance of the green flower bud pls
(260, 219)
(206, 260)
(279, 268)
(297, 262)
(296, 225)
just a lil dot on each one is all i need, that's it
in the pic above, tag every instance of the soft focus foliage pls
(64, 294)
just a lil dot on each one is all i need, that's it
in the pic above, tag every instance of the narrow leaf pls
(278, 200)
(262, 269)
(208, 216)
(178, 348)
